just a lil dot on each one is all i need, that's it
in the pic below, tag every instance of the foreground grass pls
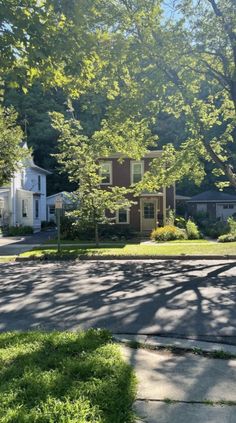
(65, 378)
(207, 248)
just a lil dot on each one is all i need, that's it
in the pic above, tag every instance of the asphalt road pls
(185, 298)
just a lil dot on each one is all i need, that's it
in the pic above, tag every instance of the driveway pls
(185, 298)
(15, 245)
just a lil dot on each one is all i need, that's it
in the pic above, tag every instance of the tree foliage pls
(132, 71)
(10, 149)
(81, 158)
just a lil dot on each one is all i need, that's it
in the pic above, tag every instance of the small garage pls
(213, 204)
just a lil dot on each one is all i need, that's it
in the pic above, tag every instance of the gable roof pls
(212, 197)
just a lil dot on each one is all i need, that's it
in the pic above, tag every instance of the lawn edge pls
(128, 257)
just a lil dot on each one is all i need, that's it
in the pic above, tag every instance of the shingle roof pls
(212, 196)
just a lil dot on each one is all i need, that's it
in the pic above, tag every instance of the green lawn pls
(139, 249)
(5, 259)
(63, 377)
(109, 244)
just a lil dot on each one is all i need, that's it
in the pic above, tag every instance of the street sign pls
(58, 203)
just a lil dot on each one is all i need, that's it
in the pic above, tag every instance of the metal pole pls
(58, 230)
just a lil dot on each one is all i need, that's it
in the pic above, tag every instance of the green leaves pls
(10, 138)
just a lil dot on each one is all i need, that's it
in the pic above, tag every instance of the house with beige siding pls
(151, 207)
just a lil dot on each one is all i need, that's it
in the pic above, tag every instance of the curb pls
(130, 257)
(161, 342)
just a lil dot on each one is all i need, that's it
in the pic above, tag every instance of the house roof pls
(182, 197)
(212, 197)
(149, 154)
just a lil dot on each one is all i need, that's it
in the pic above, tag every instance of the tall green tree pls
(80, 157)
(10, 144)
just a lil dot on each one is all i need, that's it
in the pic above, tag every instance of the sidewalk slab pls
(157, 412)
(182, 378)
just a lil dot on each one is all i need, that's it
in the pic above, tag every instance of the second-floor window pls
(106, 173)
(39, 183)
(137, 169)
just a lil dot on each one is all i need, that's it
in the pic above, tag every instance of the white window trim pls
(132, 170)
(110, 171)
(128, 216)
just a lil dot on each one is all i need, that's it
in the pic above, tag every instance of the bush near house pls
(231, 236)
(214, 229)
(227, 238)
(19, 230)
(168, 233)
(192, 230)
(73, 230)
(180, 222)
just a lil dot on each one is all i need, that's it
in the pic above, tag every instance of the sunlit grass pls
(205, 248)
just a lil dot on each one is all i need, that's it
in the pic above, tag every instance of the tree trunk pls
(96, 235)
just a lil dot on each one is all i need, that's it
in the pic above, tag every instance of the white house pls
(51, 200)
(23, 199)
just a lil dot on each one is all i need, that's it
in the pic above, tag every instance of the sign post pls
(58, 207)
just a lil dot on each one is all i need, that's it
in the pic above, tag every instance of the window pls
(148, 210)
(24, 208)
(137, 169)
(52, 209)
(122, 216)
(202, 208)
(228, 206)
(106, 173)
(39, 183)
(36, 209)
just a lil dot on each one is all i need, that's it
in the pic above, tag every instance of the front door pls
(149, 214)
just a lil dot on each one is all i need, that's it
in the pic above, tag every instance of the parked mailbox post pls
(58, 208)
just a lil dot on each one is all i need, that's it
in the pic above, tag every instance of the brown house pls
(150, 208)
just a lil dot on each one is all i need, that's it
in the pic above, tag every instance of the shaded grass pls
(207, 248)
(64, 377)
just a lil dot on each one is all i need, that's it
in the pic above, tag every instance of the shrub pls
(19, 230)
(215, 229)
(232, 225)
(231, 237)
(168, 233)
(47, 225)
(192, 230)
(116, 232)
(72, 229)
(180, 222)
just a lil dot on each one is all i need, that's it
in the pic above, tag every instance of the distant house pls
(23, 199)
(214, 204)
(151, 207)
(51, 199)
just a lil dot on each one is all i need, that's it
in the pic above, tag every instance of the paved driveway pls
(189, 298)
(18, 244)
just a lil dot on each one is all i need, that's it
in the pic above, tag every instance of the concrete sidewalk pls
(183, 388)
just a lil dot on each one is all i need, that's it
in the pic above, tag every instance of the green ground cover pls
(121, 243)
(208, 248)
(5, 259)
(65, 378)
